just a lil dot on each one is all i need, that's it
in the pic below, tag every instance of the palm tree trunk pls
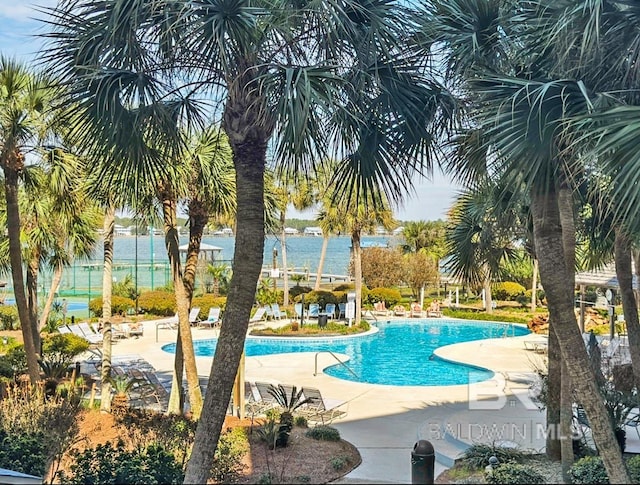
(357, 270)
(249, 161)
(198, 217)
(17, 275)
(554, 393)
(622, 250)
(176, 402)
(323, 254)
(32, 298)
(172, 243)
(55, 283)
(567, 222)
(107, 285)
(283, 250)
(636, 263)
(488, 306)
(534, 286)
(554, 277)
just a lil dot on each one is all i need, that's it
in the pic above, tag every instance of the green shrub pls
(507, 290)
(6, 369)
(301, 421)
(23, 452)
(110, 464)
(321, 297)
(119, 306)
(477, 456)
(125, 288)
(633, 466)
(206, 302)
(161, 303)
(297, 290)
(339, 462)
(515, 473)
(390, 296)
(9, 319)
(63, 347)
(589, 469)
(345, 287)
(227, 463)
(16, 357)
(323, 433)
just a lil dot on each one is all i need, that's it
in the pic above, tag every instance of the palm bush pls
(289, 401)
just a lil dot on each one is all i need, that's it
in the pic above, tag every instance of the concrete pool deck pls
(384, 422)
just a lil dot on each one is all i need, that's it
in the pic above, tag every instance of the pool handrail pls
(315, 372)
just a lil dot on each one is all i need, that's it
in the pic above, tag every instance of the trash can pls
(422, 463)
(322, 320)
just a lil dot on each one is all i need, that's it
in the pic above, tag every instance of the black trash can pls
(422, 463)
(322, 320)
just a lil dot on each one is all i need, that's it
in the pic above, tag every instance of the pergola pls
(604, 277)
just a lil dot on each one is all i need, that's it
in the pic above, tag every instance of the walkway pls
(384, 422)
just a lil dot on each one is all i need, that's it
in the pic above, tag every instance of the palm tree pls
(522, 119)
(480, 237)
(275, 69)
(25, 99)
(363, 217)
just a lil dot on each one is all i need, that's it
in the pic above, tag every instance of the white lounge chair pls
(194, 316)
(322, 410)
(277, 313)
(259, 316)
(213, 318)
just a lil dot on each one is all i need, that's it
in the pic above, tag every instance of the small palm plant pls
(289, 400)
(122, 386)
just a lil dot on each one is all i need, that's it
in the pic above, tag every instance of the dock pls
(309, 276)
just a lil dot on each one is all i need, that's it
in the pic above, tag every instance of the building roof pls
(604, 277)
(11, 477)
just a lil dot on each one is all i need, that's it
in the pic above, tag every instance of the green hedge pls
(390, 296)
(119, 306)
(205, 302)
(9, 317)
(507, 290)
(159, 302)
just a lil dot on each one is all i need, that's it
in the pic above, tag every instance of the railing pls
(315, 372)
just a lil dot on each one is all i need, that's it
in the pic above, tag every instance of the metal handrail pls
(315, 373)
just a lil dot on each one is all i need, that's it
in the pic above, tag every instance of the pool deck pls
(384, 422)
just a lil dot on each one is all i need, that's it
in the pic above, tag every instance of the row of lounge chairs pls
(93, 334)
(260, 397)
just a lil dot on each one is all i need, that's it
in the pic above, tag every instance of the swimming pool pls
(399, 354)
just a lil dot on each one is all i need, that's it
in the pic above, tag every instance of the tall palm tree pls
(210, 192)
(25, 99)
(358, 219)
(522, 119)
(299, 75)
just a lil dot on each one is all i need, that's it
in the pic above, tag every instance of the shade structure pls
(604, 277)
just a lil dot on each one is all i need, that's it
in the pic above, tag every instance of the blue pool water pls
(400, 354)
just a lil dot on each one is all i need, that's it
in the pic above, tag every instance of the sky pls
(19, 33)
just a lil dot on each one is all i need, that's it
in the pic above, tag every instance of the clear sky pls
(19, 29)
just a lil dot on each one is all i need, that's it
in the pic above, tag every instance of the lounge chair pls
(213, 318)
(319, 409)
(266, 397)
(330, 310)
(277, 313)
(194, 316)
(259, 316)
(399, 311)
(297, 308)
(434, 309)
(314, 310)
(379, 308)
(129, 330)
(416, 311)
(342, 309)
(86, 332)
